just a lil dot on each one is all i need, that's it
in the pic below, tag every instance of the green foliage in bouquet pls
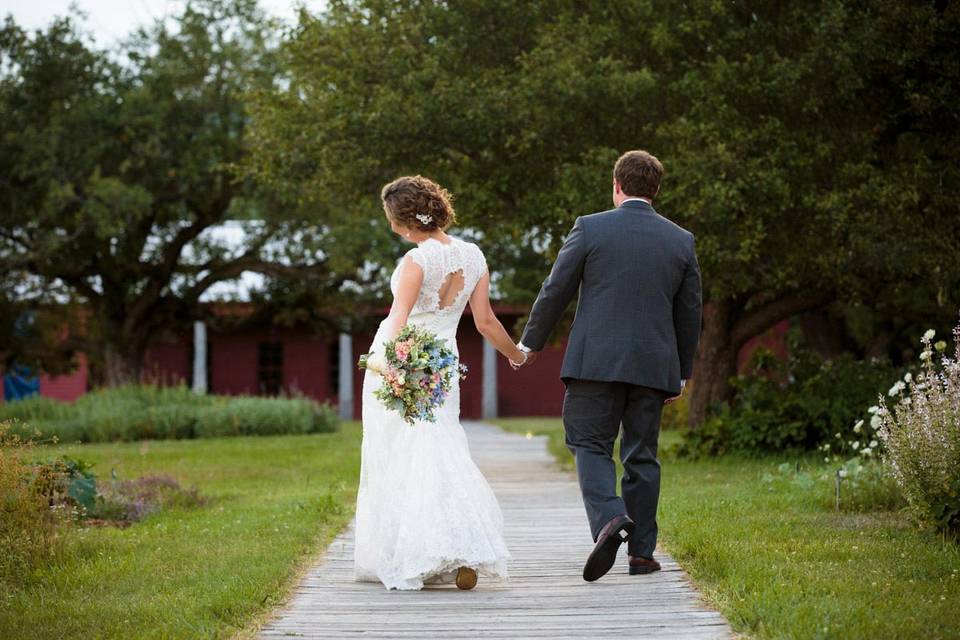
(418, 373)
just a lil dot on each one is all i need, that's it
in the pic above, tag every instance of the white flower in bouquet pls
(857, 428)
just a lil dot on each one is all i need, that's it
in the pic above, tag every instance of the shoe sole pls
(641, 571)
(604, 556)
(466, 578)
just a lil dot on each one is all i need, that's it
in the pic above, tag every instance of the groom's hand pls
(683, 383)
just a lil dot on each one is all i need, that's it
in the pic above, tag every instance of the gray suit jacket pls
(638, 317)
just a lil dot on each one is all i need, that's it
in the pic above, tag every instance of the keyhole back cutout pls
(450, 289)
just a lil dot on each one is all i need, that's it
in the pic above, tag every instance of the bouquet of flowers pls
(418, 370)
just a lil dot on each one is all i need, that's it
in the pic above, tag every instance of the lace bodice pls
(440, 261)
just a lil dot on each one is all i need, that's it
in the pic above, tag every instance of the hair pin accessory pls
(424, 218)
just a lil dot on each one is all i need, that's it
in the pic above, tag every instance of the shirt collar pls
(637, 198)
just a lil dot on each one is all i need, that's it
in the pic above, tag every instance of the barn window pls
(270, 367)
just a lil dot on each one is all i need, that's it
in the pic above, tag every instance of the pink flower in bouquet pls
(402, 350)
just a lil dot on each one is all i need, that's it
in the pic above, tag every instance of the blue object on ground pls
(20, 382)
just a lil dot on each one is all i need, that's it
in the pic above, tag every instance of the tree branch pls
(250, 263)
(756, 321)
(162, 273)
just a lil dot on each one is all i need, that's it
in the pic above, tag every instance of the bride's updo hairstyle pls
(418, 203)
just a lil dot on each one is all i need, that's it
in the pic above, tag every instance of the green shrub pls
(864, 485)
(921, 434)
(29, 527)
(798, 405)
(65, 482)
(263, 416)
(711, 438)
(126, 501)
(867, 486)
(148, 412)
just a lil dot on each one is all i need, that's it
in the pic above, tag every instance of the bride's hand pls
(522, 361)
(527, 357)
(377, 363)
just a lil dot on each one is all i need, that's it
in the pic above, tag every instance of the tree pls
(836, 140)
(115, 168)
(812, 149)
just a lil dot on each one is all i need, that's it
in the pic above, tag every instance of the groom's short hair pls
(639, 173)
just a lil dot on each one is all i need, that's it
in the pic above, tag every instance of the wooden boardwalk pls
(548, 537)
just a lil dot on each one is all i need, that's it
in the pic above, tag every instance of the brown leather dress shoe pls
(604, 554)
(640, 565)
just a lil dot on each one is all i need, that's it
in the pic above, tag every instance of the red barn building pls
(272, 361)
(297, 361)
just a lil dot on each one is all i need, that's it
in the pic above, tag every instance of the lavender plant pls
(920, 432)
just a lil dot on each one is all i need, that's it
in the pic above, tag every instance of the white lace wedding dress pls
(423, 508)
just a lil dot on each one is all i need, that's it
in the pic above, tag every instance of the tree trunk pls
(727, 326)
(715, 364)
(879, 346)
(122, 364)
(824, 333)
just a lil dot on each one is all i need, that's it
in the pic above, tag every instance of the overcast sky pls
(110, 20)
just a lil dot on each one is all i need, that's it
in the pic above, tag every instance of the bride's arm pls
(487, 323)
(411, 277)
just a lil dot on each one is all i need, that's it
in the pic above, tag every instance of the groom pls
(630, 351)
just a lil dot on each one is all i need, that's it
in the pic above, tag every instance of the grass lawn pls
(209, 572)
(770, 552)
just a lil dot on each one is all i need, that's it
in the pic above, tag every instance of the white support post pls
(199, 358)
(346, 376)
(489, 380)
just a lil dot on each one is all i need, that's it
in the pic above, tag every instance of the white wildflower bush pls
(917, 424)
(864, 442)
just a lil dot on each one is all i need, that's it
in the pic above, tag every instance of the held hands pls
(528, 357)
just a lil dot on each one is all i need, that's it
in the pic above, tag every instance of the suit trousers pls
(593, 412)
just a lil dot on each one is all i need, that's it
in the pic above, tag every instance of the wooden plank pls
(545, 596)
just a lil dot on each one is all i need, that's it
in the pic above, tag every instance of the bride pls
(425, 513)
